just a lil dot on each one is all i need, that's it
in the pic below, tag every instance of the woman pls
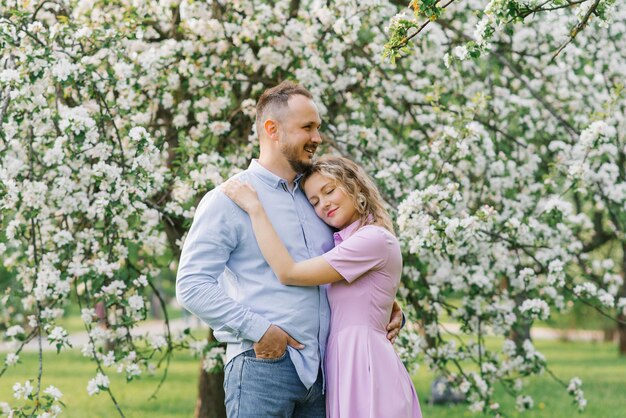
(364, 376)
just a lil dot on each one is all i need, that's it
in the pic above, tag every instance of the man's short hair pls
(276, 98)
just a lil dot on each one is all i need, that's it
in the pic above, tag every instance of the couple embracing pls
(295, 265)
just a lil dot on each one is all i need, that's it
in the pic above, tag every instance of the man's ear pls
(271, 129)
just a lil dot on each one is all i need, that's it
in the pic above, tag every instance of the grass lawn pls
(602, 371)
(70, 372)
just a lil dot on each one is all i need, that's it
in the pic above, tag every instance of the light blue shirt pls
(225, 281)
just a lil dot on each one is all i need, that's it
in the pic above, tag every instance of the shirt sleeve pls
(207, 248)
(367, 249)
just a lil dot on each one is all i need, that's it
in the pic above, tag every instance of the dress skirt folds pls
(365, 378)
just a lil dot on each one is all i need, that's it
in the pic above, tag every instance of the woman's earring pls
(362, 202)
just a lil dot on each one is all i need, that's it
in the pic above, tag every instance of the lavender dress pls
(364, 376)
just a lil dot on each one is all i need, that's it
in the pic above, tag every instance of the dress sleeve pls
(367, 249)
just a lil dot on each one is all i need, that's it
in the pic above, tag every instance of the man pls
(275, 334)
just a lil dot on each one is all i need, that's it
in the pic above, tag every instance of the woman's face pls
(330, 202)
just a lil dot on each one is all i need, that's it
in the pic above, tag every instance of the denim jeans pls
(259, 388)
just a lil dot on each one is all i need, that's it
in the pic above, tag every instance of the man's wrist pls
(256, 328)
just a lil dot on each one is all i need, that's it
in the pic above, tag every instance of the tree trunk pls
(155, 307)
(609, 334)
(521, 331)
(210, 403)
(621, 328)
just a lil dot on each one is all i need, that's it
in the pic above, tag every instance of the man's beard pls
(298, 165)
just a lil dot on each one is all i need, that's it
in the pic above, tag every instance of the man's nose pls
(316, 137)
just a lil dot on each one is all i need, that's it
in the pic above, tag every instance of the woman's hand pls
(242, 194)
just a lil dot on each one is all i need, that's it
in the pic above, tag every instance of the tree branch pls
(581, 25)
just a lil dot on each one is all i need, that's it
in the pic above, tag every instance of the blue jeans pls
(258, 388)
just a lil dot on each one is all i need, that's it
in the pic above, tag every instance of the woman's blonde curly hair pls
(351, 178)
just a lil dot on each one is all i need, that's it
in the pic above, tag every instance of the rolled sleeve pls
(208, 246)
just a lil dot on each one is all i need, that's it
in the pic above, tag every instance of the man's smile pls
(310, 149)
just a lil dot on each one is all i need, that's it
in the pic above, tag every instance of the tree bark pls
(155, 307)
(521, 331)
(609, 334)
(210, 402)
(621, 329)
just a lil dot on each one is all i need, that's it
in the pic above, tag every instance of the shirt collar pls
(268, 177)
(345, 233)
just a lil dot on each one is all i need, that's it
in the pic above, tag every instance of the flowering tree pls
(507, 172)
(526, 208)
(495, 16)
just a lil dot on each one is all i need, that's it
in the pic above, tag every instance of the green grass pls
(70, 372)
(602, 371)
(604, 381)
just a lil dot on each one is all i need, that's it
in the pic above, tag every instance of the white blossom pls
(54, 392)
(87, 315)
(136, 302)
(524, 402)
(95, 385)
(23, 391)
(14, 331)
(11, 359)
(536, 308)
(158, 342)
(58, 336)
(64, 69)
